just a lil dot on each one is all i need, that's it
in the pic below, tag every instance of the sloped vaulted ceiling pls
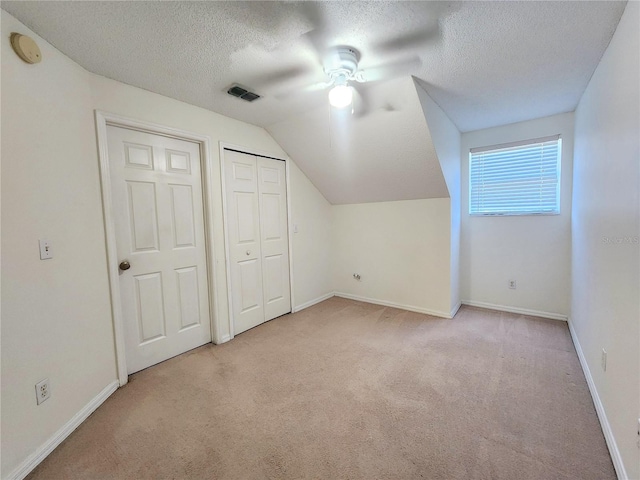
(387, 155)
(483, 63)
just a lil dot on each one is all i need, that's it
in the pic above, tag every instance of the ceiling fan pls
(343, 69)
(341, 63)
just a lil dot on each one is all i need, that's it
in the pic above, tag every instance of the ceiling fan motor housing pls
(343, 65)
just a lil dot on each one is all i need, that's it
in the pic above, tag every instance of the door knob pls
(125, 265)
(248, 252)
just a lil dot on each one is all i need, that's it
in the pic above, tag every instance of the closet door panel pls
(243, 235)
(272, 189)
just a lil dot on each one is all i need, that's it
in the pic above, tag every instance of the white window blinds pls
(520, 178)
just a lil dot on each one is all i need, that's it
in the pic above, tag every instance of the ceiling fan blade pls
(362, 102)
(312, 13)
(315, 87)
(364, 105)
(278, 77)
(317, 36)
(390, 70)
(419, 38)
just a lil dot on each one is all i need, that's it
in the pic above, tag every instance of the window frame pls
(521, 143)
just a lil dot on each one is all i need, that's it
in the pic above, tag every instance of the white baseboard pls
(522, 311)
(455, 310)
(385, 303)
(311, 303)
(602, 416)
(224, 339)
(45, 449)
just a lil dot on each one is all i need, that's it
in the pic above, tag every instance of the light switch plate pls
(46, 251)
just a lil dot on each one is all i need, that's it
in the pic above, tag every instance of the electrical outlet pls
(603, 360)
(512, 284)
(43, 391)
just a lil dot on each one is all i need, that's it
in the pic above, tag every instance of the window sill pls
(509, 214)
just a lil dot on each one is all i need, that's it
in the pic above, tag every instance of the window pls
(520, 178)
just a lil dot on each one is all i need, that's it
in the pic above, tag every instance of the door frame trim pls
(227, 254)
(104, 119)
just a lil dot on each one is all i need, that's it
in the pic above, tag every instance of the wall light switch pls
(46, 251)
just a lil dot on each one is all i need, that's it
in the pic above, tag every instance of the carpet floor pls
(346, 389)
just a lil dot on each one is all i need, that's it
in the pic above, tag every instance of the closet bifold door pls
(257, 233)
(243, 236)
(272, 188)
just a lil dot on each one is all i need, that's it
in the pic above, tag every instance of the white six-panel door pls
(257, 235)
(159, 225)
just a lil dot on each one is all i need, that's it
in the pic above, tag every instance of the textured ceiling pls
(484, 63)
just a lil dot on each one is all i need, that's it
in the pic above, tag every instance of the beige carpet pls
(350, 390)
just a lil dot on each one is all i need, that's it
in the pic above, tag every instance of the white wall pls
(406, 252)
(311, 213)
(56, 315)
(605, 308)
(400, 249)
(533, 250)
(56, 319)
(446, 139)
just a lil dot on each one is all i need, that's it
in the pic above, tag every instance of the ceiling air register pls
(240, 92)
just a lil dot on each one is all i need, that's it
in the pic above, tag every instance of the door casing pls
(102, 120)
(286, 160)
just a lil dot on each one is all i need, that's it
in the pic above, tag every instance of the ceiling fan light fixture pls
(341, 96)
